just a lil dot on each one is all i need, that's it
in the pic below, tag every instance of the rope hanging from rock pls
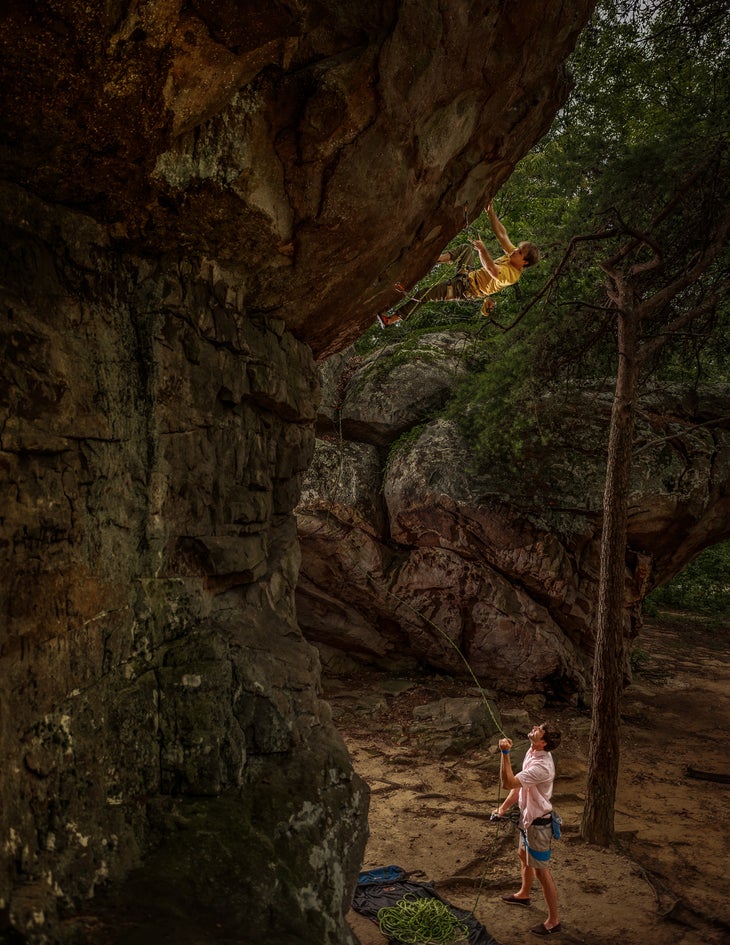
(458, 256)
(512, 819)
(369, 576)
(416, 921)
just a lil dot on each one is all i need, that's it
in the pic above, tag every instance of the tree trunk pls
(603, 758)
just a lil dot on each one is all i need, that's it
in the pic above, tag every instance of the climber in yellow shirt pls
(494, 275)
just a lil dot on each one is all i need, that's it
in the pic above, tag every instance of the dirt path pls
(658, 886)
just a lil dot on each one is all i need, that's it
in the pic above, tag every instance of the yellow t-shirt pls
(485, 284)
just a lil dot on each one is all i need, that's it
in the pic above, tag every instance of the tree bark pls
(625, 279)
(608, 666)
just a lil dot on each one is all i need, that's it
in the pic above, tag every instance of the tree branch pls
(650, 348)
(693, 272)
(677, 436)
(639, 237)
(601, 235)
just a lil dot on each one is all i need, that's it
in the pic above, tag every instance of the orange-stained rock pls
(319, 152)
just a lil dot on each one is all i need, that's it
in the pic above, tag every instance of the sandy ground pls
(660, 884)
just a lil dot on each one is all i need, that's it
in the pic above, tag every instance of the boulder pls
(452, 725)
(485, 573)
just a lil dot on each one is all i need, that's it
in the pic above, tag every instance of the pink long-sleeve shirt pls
(536, 780)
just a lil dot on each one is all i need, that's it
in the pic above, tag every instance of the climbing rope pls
(408, 914)
(417, 921)
(459, 255)
(511, 818)
(421, 616)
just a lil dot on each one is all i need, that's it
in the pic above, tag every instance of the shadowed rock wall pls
(157, 693)
(195, 199)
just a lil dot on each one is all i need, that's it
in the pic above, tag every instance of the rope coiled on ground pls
(418, 921)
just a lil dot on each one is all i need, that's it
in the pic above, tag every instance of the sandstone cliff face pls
(408, 557)
(195, 198)
(158, 695)
(318, 152)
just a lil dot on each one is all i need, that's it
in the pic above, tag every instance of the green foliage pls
(404, 442)
(702, 588)
(429, 318)
(640, 147)
(494, 405)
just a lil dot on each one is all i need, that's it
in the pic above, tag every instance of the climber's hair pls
(530, 253)
(551, 737)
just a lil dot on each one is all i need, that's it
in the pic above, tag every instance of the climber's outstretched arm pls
(499, 230)
(486, 260)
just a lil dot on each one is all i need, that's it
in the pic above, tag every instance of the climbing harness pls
(459, 257)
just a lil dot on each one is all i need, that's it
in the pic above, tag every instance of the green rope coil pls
(417, 921)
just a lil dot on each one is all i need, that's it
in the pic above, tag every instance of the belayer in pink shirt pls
(532, 790)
